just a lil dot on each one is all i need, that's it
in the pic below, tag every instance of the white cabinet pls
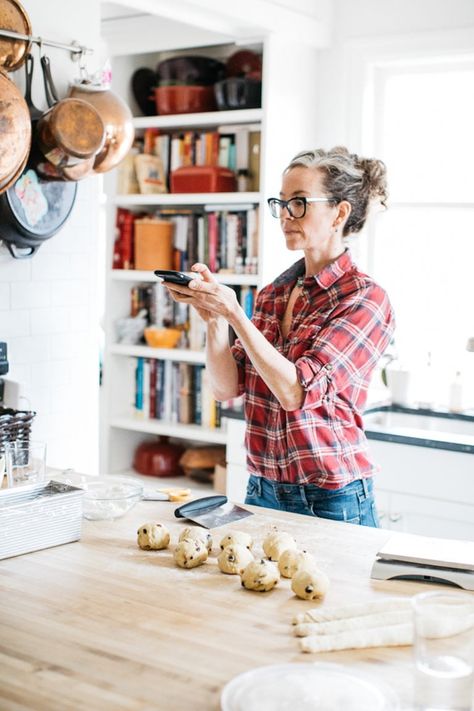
(424, 490)
(286, 122)
(237, 475)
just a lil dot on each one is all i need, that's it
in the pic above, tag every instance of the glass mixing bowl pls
(109, 498)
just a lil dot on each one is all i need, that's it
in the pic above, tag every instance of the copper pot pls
(15, 131)
(117, 118)
(14, 18)
(70, 133)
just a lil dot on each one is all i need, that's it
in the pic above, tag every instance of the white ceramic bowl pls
(109, 498)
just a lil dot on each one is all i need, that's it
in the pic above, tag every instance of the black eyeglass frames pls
(296, 206)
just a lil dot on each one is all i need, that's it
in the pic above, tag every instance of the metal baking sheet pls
(37, 516)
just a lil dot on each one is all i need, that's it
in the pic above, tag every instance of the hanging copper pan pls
(13, 51)
(15, 131)
(70, 134)
(118, 123)
(33, 209)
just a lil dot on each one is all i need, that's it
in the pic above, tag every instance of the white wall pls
(404, 25)
(48, 304)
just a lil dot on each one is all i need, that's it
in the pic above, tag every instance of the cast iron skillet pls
(33, 209)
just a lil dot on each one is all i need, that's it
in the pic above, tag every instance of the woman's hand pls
(210, 298)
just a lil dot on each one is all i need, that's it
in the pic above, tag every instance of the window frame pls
(366, 60)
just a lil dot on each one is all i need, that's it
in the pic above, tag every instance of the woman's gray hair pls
(346, 176)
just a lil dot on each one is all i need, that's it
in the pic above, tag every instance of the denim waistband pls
(287, 489)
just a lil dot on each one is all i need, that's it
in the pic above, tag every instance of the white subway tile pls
(14, 323)
(13, 269)
(62, 400)
(50, 266)
(79, 319)
(55, 372)
(63, 345)
(30, 295)
(29, 349)
(39, 397)
(69, 293)
(50, 320)
(4, 295)
(80, 266)
(20, 373)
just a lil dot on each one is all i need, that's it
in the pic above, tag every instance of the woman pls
(304, 361)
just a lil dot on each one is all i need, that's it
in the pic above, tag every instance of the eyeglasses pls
(296, 206)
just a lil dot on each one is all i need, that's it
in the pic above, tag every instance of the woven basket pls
(15, 425)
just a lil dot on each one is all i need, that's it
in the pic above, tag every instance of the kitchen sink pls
(412, 423)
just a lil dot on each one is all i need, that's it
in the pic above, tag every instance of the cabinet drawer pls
(236, 452)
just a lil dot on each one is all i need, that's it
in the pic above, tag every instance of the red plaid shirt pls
(341, 325)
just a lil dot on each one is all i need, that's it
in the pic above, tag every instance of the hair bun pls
(375, 178)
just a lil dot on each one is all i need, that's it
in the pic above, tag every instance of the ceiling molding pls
(246, 18)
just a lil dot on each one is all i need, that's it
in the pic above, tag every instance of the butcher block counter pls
(103, 625)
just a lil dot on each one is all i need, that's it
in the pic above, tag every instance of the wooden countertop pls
(102, 625)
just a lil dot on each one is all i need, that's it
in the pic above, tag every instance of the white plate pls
(306, 687)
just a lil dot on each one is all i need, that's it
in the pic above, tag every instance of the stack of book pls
(226, 240)
(174, 392)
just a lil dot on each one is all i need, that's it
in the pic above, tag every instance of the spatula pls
(211, 511)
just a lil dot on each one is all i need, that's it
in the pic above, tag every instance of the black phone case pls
(173, 277)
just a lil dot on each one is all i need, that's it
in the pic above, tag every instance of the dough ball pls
(310, 583)
(197, 534)
(291, 560)
(275, 543)
(153, 536)
(233, 559)
(190, 554)
(239, 537)
(260, 575)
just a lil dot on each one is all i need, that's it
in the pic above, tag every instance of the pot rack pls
(77, 50)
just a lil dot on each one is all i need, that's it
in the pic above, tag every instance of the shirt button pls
(329, 367)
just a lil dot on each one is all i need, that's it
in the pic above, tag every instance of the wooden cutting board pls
(102, 625)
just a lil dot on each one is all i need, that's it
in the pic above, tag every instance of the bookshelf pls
(183, 200)
(280, 116)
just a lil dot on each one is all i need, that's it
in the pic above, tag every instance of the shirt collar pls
(325, 278)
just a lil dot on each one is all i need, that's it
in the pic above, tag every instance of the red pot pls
(184, 99)
(159, 458)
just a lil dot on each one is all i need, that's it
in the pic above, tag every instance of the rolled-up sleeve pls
(348, 347)
(239, 357)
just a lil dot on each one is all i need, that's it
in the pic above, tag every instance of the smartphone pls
(173, 277)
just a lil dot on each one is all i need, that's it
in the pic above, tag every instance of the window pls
(422, 249)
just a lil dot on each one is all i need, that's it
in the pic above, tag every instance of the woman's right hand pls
(206, 275)
(206, 291)
(211, 296)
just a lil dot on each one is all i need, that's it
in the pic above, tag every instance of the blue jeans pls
(353, 503)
